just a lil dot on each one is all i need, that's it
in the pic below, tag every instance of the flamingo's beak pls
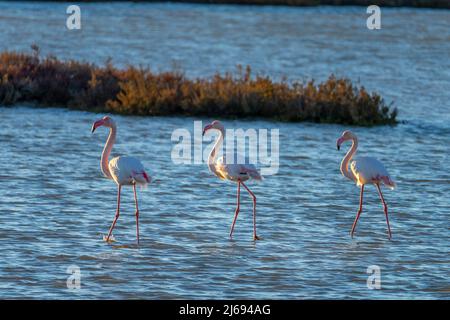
(339, 142)
(97, 124)
(206, 129)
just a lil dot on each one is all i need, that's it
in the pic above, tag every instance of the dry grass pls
(51, 82)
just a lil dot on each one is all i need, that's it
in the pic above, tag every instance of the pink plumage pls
(122, 170)
(364, 170)
(235, 172)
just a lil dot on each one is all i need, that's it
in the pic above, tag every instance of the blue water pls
(56, 206)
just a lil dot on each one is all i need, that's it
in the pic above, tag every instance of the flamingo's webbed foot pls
(110, 240)
(255, 237)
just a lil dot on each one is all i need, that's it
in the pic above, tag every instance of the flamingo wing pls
(370, 170)
(236, 171)
(128, 170)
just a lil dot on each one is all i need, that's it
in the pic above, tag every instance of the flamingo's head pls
(346, 135)
(216, 124)
(105, 121)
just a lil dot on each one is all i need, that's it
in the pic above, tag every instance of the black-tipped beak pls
(339, 142)
(206, 129)
(97, 124)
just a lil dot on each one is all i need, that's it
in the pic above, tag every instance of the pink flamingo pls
(232, 172)
(363, 171)
(123, 170)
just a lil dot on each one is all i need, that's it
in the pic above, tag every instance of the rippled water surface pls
(55, 205)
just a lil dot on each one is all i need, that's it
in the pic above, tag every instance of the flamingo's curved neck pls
(215, 150)
(104, 162)
(344, 164)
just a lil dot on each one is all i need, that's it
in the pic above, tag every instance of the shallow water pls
(55, 205)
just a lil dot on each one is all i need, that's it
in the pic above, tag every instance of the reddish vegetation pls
(51, 82)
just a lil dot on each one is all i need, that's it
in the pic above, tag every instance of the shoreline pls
(432, 4)
(50, 82)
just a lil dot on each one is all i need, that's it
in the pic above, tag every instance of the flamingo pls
(123, 170)
(233, 172)
(363, 171)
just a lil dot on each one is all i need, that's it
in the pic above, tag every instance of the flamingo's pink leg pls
(359, 210)
(385, 209)
(117, 214)
(137, 213)
(237, 207)
(255, 237)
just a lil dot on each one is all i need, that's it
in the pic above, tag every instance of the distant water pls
(55, 205)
